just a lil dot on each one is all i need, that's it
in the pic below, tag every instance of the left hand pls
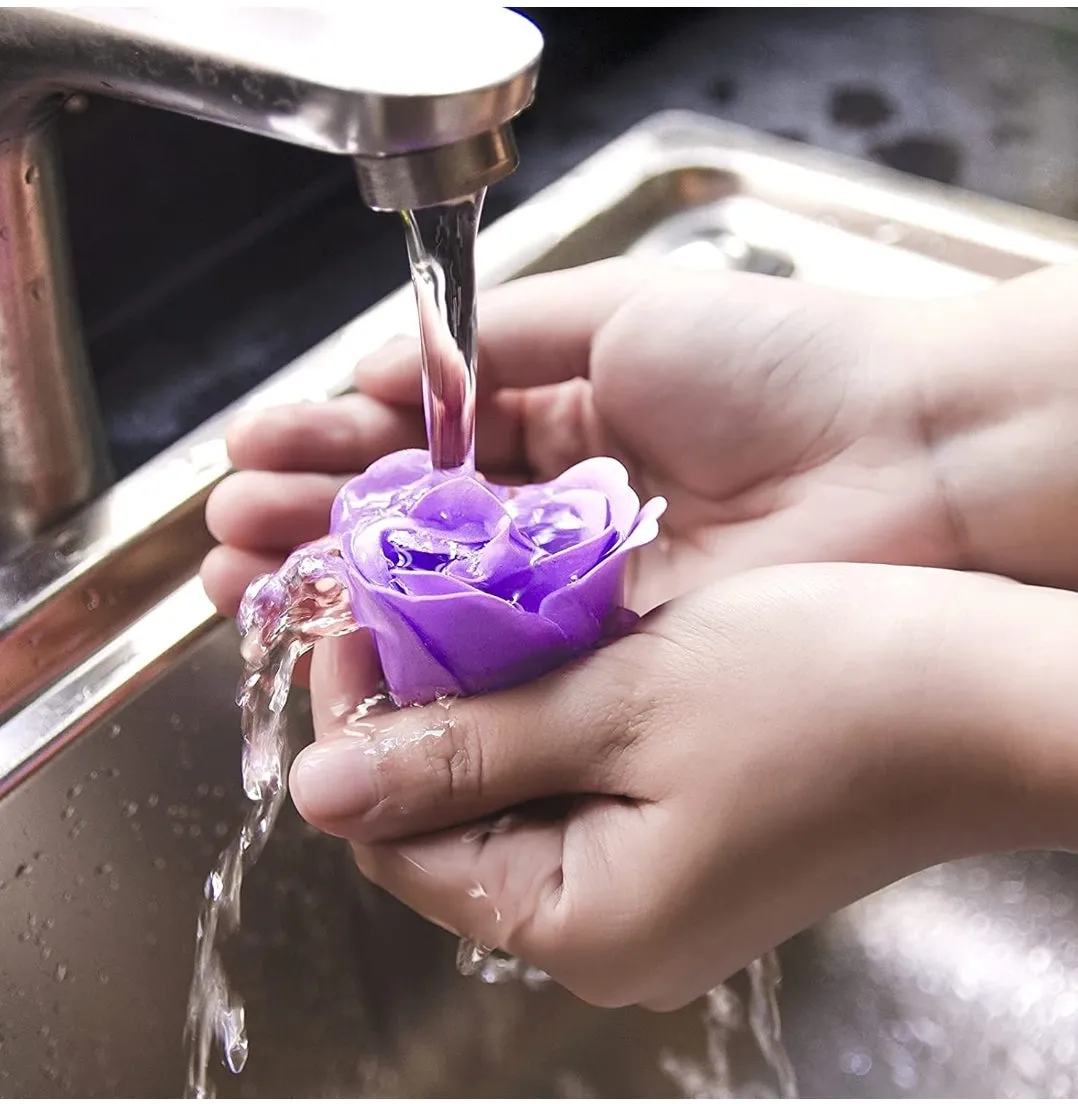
(752, 757)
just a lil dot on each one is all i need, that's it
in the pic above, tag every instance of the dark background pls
(207, 259)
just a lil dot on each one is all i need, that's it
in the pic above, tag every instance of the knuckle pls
(627, 717)
(591, 944)
(454, 757)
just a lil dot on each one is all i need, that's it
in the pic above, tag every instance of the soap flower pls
(466, 586)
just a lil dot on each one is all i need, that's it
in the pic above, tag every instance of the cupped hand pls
(645, 822)
(782, 422)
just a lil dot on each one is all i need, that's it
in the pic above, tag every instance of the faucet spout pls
(421, 97)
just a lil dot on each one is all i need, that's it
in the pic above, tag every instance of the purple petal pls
(412, 671)
(430, 584)
(602, 473)
(582, 609)
(482, 642)
(502, 568)
(557, 521)
(552, 573)
(463, 507)
(383, 483)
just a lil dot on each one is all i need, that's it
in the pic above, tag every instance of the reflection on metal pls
(423, 105)
(119, 750)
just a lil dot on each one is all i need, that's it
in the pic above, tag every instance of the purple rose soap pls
(467, 586)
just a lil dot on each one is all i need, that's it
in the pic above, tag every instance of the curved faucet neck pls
(423, 99)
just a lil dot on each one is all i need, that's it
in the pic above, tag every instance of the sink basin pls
(120, 751)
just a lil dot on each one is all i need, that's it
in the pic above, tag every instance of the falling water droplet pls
(233, 1034)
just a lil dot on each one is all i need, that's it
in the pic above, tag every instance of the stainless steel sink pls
(119, 752)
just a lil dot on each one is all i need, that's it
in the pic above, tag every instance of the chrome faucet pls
(422, 98)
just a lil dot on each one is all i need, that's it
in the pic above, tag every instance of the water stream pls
(277, 629)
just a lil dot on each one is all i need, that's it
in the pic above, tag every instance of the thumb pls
(419, 770)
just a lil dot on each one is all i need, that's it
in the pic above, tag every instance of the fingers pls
(418, 770)
(494, 888)
(227, 572)
(269, 512)
(574, 895)
(533, 331)
(342, 436)
(344, 674)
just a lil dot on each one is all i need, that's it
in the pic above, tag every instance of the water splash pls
(281, 618)
(765, 1021)
(725, 1016)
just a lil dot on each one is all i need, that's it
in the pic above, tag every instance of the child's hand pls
(753, 757)
(782, 422)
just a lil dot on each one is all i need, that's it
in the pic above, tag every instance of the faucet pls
(422, 98)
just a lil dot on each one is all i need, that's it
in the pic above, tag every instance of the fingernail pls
(334, 780)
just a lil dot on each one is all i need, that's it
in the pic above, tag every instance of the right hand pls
(781, 421)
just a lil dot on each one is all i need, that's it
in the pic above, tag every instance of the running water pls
(724, 1017)
(441, 253)
(765, 1022)
(280, 620)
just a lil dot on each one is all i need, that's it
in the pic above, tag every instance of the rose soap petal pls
(485, 642)
(582, 609)
(368, 495)
(604, 474)
(412, 669)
